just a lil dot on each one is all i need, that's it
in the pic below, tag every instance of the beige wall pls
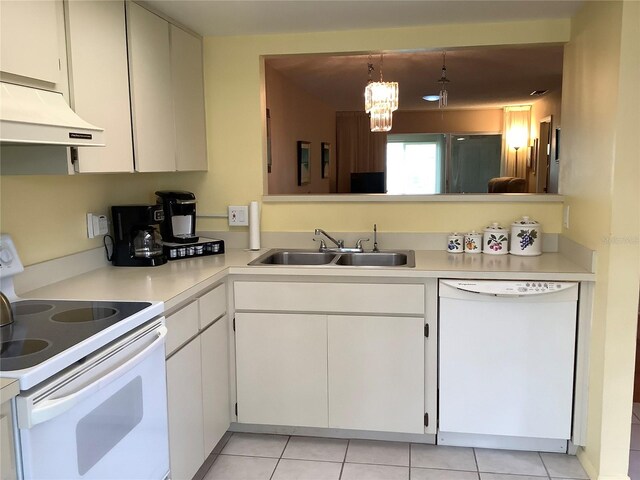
(600, 176)
(297, 115)
(448, 121)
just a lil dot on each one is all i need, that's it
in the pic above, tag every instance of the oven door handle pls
(48, 409)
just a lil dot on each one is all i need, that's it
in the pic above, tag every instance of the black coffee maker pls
(137, 242)
(180, 216)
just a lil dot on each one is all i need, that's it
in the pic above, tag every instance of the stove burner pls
(30, 308)
(19, 348)
(84, 315)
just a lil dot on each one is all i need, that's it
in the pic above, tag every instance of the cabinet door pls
(215, 382)
(188, 100)
(151, 95)
(184, 388)
(100, 81)
(376, 373)
(281, 368)
(7, 453)
(29, 39)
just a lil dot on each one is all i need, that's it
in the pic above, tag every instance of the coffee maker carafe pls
(180, 216)
(137, 242)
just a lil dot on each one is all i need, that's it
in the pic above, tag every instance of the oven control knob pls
(6, 257)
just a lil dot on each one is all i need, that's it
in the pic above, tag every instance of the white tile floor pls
(281, 457)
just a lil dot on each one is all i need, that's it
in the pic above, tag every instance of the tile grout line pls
(475, 459)
(344, 459)
(280, 458)
(410, 444)
(544, 465)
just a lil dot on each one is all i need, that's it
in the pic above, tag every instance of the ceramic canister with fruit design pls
(495, 240)
(526, 237)
(473, 242)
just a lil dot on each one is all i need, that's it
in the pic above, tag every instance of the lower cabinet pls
(281, 369)
(184, 388)
(214, 343)
(338, 371)
(376, 373)
(197, 381)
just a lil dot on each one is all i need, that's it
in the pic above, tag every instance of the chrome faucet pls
(339, 243)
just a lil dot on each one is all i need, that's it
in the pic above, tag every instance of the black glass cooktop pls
(44, 328)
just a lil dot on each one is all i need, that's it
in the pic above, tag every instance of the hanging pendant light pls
(443, 96)
(380, 100)
(380, 120)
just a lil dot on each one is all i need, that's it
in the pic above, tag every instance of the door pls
(376, 373)
(281, 368)
(507, 363)
(544, 157)
(151, 95)
(100, 81)
(215, 382)
(186, 430)
(107, 419)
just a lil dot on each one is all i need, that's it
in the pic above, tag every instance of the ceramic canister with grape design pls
(526, 237)
(495, 240)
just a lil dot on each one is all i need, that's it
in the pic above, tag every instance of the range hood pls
(31, 116)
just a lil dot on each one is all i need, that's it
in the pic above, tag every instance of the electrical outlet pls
(97, 225)
(238, 216)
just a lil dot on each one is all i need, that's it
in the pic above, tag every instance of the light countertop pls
(179, 280)
(9, 388)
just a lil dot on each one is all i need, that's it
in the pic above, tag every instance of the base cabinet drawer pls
(330, 297)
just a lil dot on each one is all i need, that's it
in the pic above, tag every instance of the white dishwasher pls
(506, 363)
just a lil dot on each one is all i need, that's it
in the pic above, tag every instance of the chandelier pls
(443, 95)
(380, 100)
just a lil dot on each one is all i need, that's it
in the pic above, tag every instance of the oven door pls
(104, 418)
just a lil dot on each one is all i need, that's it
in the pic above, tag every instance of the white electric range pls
(92, 378)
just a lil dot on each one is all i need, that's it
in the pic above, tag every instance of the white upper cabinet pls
(188, 100)
(154, 140)
(167, 94)
(29, 40)
(99, 75)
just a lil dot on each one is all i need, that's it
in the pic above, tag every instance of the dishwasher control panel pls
(507, 288)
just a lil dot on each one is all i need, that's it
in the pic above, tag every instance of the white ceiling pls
(479, 77)
(254, 17)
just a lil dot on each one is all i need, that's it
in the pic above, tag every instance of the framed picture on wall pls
(304, 159)
(326, 159)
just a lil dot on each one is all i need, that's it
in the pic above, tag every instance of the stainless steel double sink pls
(396, 258)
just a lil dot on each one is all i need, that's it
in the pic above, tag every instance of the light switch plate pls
(238, 216)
